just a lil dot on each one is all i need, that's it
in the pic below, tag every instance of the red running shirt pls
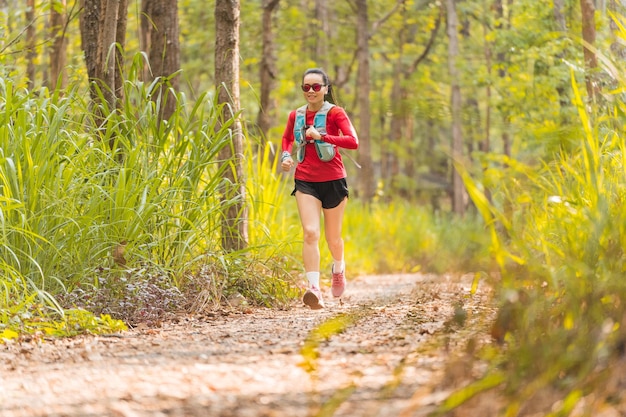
(339, 132)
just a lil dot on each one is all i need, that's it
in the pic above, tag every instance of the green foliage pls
(81, 204)
(515, 69)
(558, 236)
(399, 236)
(268, 190)
(36, 320)
(66, 190)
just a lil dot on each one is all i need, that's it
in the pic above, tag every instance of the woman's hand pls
(286, 161)
(312, 132)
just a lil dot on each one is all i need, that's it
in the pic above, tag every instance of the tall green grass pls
(70, 202)
(403, 237)
(562, 263)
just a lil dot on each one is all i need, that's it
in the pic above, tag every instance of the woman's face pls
(312, 80)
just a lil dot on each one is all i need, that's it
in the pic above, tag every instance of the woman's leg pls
(310, 209)
(333, 221)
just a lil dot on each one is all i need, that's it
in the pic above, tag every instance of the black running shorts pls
(330, 193)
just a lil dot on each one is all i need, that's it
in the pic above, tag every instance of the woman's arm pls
(348, 138)
(288, 139)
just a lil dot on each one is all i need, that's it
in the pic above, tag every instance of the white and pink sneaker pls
(313, 298)
(338, 284)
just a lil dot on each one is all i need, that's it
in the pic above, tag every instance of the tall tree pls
(267, 66)
(400, 138)
(322, 23)
(367, 182)
(103, 27)
(235, 221)
(30, 42)
(485, 143)
(364, 32)
(159, 38)
(558, 11)
(121, 23)
(588, 10)
(458, 190)
(502, 22)
(58, 51)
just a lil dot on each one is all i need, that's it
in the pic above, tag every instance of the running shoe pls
(338, 285)
(313, 298)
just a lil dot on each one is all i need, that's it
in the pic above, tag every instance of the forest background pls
(138, 164)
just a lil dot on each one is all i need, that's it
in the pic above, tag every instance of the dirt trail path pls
(389, 361)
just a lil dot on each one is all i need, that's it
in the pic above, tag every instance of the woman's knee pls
(334, 242)
(311, 234)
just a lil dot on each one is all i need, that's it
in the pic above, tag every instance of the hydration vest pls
(325, 151)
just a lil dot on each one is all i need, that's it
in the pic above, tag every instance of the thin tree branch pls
(346, 75)
(376, 25)
(429, 45)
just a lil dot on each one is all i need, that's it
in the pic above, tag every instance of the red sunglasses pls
(316, 87)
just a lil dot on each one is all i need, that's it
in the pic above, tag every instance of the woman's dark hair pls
(329, 96)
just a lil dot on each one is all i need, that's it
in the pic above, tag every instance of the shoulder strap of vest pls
(320, 117)
(302, 110)
(326, 106)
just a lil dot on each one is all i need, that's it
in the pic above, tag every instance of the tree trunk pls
(58, 51)
(562, 88)
(99, 34)
(458, 190)
(485, 144)
(267, 68)
(411, 149)
(309, 41)
(159, 35)
(89, 32)
(501, 62)
(397, 157)
(588, 10)
(120, 39)
(389, 154)
(105, 71)
(102, 29)
(30, 43)
(234, 224)
(367, 184)
(558, 10)
(323, 26)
